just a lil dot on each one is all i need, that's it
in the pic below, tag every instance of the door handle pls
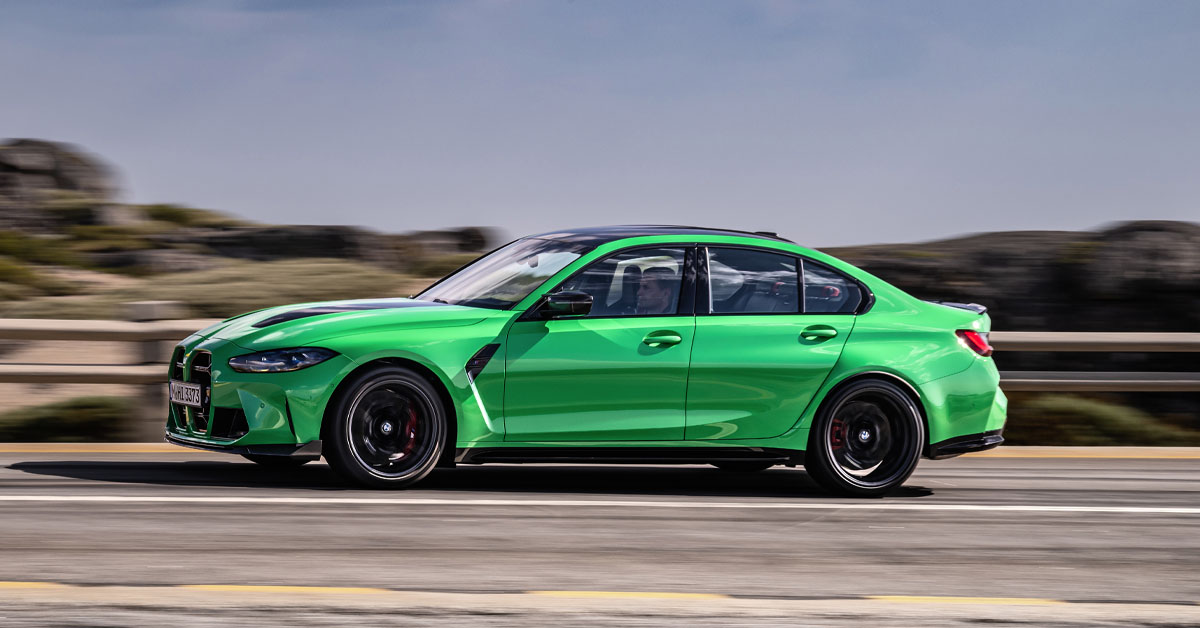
(818, 331)
(662, 338)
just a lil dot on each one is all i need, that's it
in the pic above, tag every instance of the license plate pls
(185, 394)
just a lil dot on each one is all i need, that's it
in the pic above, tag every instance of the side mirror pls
(568, 303)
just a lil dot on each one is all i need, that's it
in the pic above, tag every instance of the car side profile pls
(629, 344)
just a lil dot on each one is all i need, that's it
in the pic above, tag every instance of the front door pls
(617, 374)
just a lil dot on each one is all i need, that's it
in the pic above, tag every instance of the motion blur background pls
(1037, 158)
(195, 159)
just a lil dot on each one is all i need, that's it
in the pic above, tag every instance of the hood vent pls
(336, 309)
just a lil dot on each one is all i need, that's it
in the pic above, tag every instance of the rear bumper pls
(960, 445)
(310, 450)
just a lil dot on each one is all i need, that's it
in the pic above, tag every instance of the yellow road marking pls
(268, 588)
(94, 448)
(633, 594)
(939, 599)
(32, 585)
(1132, 454)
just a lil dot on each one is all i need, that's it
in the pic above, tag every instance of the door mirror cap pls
(567, 303)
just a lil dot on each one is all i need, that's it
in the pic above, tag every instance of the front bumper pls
(250, 413)
(310, 450)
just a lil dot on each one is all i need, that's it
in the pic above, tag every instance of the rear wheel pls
(743, 466)
(866, 440)
(387, 428)
(277, 462)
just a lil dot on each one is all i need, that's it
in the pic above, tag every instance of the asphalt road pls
(1007, 540)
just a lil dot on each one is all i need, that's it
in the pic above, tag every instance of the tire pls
(743, 466)
(866, 440)
(277, 462)
(386, 428)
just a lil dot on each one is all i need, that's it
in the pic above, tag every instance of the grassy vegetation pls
(231, 289)
(84, 419)
(442, 265)
(103, 238)
(31, 282)
(190, 217)
(1059, 419)
(35, 249)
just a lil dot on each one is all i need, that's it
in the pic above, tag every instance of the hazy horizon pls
(831, 123)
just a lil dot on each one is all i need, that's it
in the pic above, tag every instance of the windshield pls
(500, 279)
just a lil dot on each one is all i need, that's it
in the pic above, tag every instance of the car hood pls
(307, 324)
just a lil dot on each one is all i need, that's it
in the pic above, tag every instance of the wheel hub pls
(874, 437)
(385, 428)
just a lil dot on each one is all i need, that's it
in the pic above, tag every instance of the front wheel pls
(866, 440)
(386, 429)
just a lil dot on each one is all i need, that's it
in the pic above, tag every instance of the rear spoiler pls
(973, 307)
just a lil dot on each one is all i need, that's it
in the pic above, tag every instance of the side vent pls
(481, 358)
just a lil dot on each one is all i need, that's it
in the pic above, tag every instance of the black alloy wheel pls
(866, 440)
(386, 428)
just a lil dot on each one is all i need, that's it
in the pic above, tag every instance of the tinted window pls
(828, 291)
(642, 282)
(744, 281)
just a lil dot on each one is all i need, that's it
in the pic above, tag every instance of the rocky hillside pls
(1134, 276)
(57, 206)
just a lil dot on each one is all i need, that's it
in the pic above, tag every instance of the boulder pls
(37, 176)
(30, 165)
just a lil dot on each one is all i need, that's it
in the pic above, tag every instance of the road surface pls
(147, 535)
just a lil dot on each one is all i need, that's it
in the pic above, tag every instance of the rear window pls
(745, 281)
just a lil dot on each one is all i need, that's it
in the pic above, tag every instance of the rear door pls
(769, 329)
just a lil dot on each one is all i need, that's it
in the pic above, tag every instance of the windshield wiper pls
(443, 301)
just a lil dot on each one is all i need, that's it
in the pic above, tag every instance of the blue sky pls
(831, 122)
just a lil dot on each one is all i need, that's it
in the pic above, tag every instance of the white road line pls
(599, 503)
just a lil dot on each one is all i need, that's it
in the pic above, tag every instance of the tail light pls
(975, 341)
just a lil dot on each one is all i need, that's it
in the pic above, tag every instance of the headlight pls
(280, 360)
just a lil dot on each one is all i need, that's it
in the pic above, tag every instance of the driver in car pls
(656, 291)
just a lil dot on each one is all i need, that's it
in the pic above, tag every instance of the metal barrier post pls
(151, 405)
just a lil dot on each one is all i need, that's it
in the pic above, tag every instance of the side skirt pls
(628, 455)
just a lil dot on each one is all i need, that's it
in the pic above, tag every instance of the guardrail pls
(155, 339)
(1093, 381)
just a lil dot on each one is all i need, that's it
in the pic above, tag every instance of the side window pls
(744, 281)
(829, 292)
(641, 282)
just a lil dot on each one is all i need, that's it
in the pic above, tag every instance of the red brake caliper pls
(410, 429)
(837, 432)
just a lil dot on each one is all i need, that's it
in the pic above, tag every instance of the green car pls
(631, 344)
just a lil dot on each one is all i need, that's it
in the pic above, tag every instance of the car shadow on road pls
(623, 480)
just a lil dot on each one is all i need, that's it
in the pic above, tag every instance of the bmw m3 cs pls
(620, 344)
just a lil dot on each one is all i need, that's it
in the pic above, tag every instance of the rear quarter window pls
(827, 291)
